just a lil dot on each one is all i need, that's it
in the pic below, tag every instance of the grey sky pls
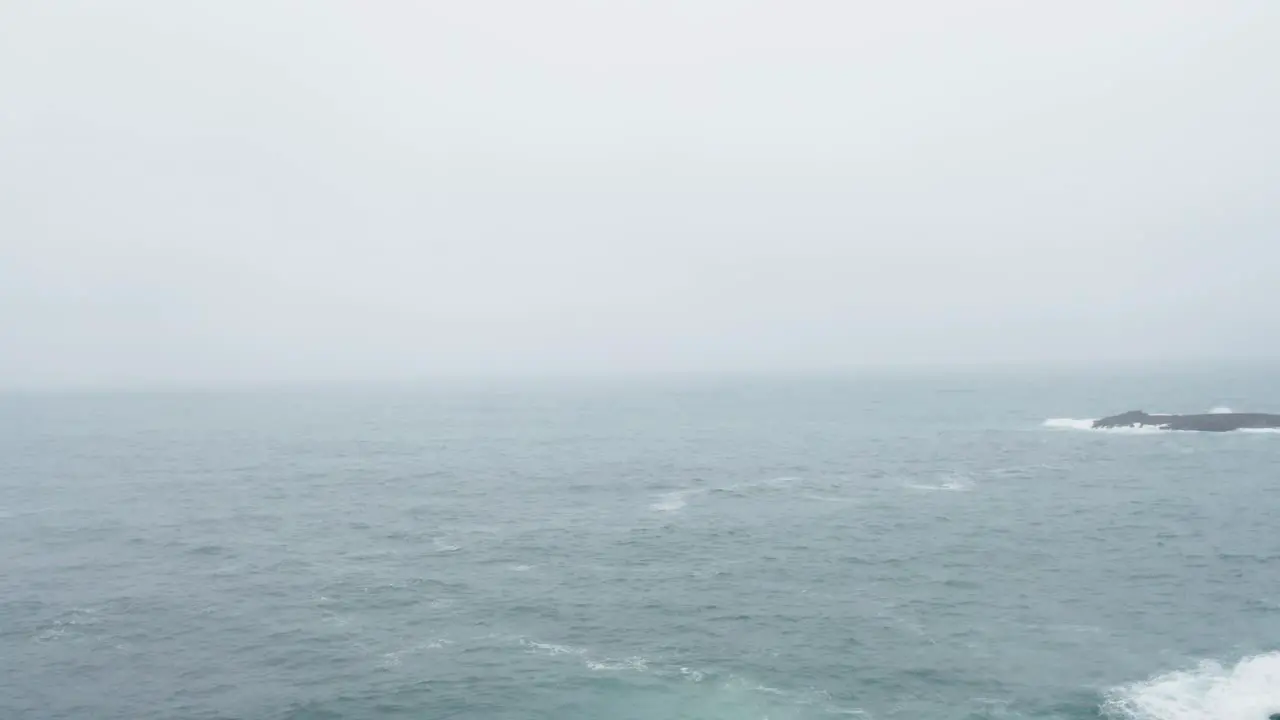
(271, 190)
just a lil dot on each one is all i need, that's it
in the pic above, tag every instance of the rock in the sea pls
(1207, 422)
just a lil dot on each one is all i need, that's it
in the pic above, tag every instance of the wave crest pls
(1248, 690)
(1087, 424)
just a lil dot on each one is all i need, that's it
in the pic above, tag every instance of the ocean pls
(938, 546)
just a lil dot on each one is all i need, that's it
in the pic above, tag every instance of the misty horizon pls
(270, 193)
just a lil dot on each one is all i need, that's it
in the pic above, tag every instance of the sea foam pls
(1247, 690)
(1087, 424)
(672, 501)
(946, 483)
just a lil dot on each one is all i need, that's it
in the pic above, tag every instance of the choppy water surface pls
(888, 547)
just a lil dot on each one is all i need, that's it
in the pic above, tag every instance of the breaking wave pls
(1087, 424)
(676, 500)
(1248, 690)
(673, 501)
(542, 648)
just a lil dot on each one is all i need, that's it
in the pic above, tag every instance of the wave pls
(676, 500)
(1087, 424)
(635, 664)
(673, 501)
(1220, 411)
(395, 658)
(685, 691)
(1248, 690)
(952, 483)
(837, 499)
(441, 546)
(693, 675)
(1070, 423)
(542, 648)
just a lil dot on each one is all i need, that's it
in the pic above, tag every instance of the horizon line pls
(465, 380)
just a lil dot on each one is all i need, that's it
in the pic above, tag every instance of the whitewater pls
(1067, 423)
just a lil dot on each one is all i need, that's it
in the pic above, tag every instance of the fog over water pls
(282, 191)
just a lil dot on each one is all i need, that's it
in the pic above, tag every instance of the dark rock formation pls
(1208, 422)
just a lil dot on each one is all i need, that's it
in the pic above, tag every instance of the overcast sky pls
(309, 190)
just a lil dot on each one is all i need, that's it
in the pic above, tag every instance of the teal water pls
(879, 546)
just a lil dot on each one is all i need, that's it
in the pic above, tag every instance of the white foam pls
(1087, 424)
(944, 487)
(828, 498)
(673, 501)
(1069, 423)
(778, 482)
(677, 500)
(1221, 411)
(443, 547)
(668, 502)
(692, 675)
(1248, 690)
(522, 568)
(952, 483)
(637, 664)
(394, 658)
(551, 648)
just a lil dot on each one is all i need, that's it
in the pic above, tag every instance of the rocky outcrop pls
(1208, 422)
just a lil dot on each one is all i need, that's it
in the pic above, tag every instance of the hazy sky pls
(271, 190)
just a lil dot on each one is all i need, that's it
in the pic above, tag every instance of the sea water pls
(879, 546)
